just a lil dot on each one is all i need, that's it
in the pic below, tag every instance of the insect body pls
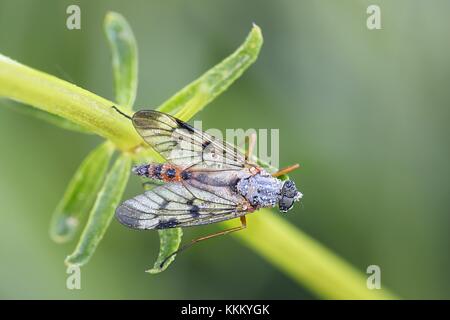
(206, 180)
(163, 172)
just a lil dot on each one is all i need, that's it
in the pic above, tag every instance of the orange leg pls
(220, 233)
(285, 170)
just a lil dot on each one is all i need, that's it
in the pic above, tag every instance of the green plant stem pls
(43, 115)
(46, 92)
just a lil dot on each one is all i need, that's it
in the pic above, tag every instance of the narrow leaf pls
(80, 193)
(45, 116)
(124, 58)
(100, 217)
(169, 240)
(195, 96)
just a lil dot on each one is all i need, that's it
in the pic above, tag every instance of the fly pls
(206, 180)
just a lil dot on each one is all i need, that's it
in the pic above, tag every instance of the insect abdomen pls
(164, 172)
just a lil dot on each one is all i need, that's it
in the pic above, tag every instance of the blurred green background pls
(364, 112)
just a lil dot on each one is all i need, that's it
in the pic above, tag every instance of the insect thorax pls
(261, 189)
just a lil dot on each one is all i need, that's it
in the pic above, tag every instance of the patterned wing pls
(180, 205)
(187, 147)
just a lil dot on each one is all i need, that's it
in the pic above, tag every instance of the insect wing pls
(179, 205)
(187, 147)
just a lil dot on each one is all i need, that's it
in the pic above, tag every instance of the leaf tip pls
(111, 16)
(74, 260)
(256, 27)
(63, 228)
(116, 23)
(153, 270)
(161, 266)
(256, 32)
(253, 42)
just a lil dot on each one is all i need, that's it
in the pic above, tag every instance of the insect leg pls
(251, 145)
(220, 233)
(285, 170)
(120, 112)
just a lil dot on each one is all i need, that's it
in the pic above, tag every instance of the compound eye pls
(289, 184)
(285, 204)
(289, 189)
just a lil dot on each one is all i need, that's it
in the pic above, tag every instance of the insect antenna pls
(120, 112)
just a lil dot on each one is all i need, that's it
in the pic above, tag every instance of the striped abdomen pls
(157, 171)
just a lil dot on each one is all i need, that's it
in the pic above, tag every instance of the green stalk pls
(59, 97)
